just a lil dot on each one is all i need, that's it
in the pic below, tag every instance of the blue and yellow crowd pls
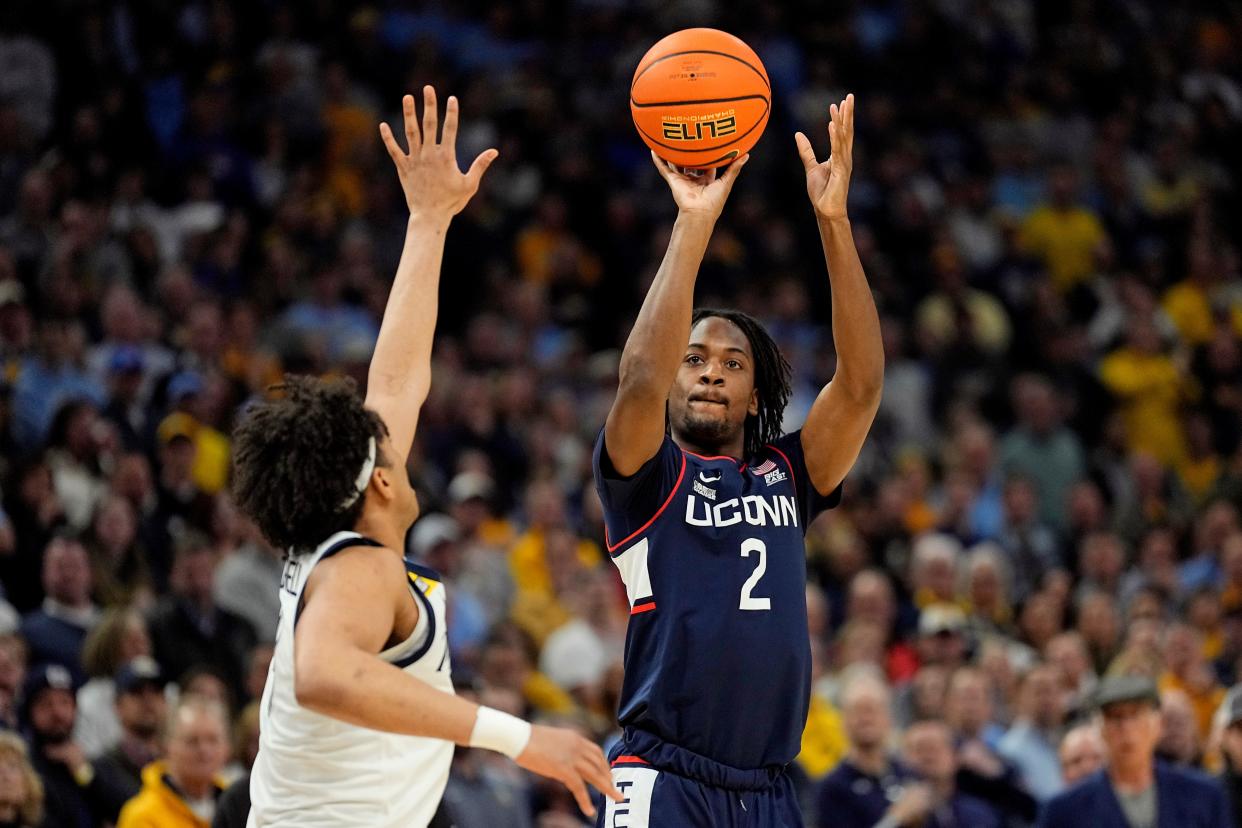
(1047, 200)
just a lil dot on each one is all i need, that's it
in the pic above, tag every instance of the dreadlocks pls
(296, 458)
(772, 378)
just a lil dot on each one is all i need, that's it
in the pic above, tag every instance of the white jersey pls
(313, 770)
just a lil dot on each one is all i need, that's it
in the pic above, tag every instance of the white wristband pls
(500, 732)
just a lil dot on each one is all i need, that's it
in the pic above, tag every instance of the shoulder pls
(1079, 795)
(1186, 782)
(975, 812)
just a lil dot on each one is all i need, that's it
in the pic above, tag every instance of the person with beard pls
(717, 583)
(77, 796)
(141, 708)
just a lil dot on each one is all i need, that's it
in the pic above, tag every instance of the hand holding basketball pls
(433, 184)
(828, 183)
(704, 194)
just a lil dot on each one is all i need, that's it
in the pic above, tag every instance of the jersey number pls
(747, 602)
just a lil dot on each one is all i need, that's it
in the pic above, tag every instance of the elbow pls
(866, 390)
(315, 688)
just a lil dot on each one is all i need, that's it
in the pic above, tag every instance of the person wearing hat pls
(1134, 790)
(141, 709)
(186, 390)
(76, 796)
(126, 400)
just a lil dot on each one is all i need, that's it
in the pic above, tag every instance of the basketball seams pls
(763, 98)
(762, 75)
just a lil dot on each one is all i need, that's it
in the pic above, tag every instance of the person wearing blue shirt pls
(1134, 790)
(928, 752)
(868, 785)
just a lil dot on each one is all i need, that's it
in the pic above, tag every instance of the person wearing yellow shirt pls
(211, 448)
(181, 791)
(1066, 236)
(1150, 389)
(1187, 670)
(528, 559)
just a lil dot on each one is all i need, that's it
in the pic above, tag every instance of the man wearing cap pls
(76, 796)
(186, 392)
(1134, 790)
(141, 709)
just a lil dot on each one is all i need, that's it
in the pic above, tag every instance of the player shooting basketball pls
(706, 505)
(358, 714)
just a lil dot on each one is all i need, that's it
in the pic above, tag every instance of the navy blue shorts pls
(668, 787)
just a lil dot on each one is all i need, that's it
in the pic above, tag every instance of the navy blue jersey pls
(717, 655)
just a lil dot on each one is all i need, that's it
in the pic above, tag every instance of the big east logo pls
(698, 127)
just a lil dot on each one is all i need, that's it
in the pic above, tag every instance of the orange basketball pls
(700, 98)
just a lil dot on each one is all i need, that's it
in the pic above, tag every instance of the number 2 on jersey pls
(748, 602)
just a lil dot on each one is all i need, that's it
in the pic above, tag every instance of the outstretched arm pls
(842, 414)
(657, 343)
(435, 191)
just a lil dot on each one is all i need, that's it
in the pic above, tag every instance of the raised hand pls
(705, 194)
(828, 184)
(430, 178)
(571, 759)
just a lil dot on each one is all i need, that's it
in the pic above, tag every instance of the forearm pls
(855, 321)
(402, 360)
(658, 338)
(364, 691)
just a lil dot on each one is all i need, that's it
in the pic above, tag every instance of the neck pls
(872, 759)
(1132, 777)
(733, 448)
(192, 788)
(378, 526)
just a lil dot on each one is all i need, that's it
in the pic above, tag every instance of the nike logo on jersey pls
(706, 478)
(756, 510)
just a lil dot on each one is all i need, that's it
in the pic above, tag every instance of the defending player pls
(358, 716)
(706, 505)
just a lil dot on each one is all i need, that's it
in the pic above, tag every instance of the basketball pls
(700, 98)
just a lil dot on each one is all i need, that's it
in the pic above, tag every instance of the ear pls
(753, 408)
(381, 484)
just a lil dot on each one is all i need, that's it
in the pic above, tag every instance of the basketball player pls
(358, 716)
(706, 504)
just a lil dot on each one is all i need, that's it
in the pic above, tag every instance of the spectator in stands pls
(188, 629)
(142, 710)
(868, 784)
(1134, 789)
(120, 637)
(21, 790)
(928, 751)
(1179, 732)
(1042, 450)
(1031, 742)
(76, 796)
(182, 790)
(1187, 671)
(57, 630)
(1231, 751)
(13, 659)
(1030, 545)
(1081, 753)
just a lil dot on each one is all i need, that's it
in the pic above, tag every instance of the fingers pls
(661, 165)
(600, 775)
(733, 171)
(475, 174)
(390, 143)
(431, 119)
(579, 790)
(834, 138)
(805, 151)
(449, 139)
(413, 141)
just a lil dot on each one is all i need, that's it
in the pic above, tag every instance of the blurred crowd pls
(1047, 199)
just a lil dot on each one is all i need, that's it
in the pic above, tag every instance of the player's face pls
(715, 387)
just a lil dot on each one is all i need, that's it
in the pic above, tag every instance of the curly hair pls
(296, 456)
(772, 378)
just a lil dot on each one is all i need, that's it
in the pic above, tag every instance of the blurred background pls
(1047, 199)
